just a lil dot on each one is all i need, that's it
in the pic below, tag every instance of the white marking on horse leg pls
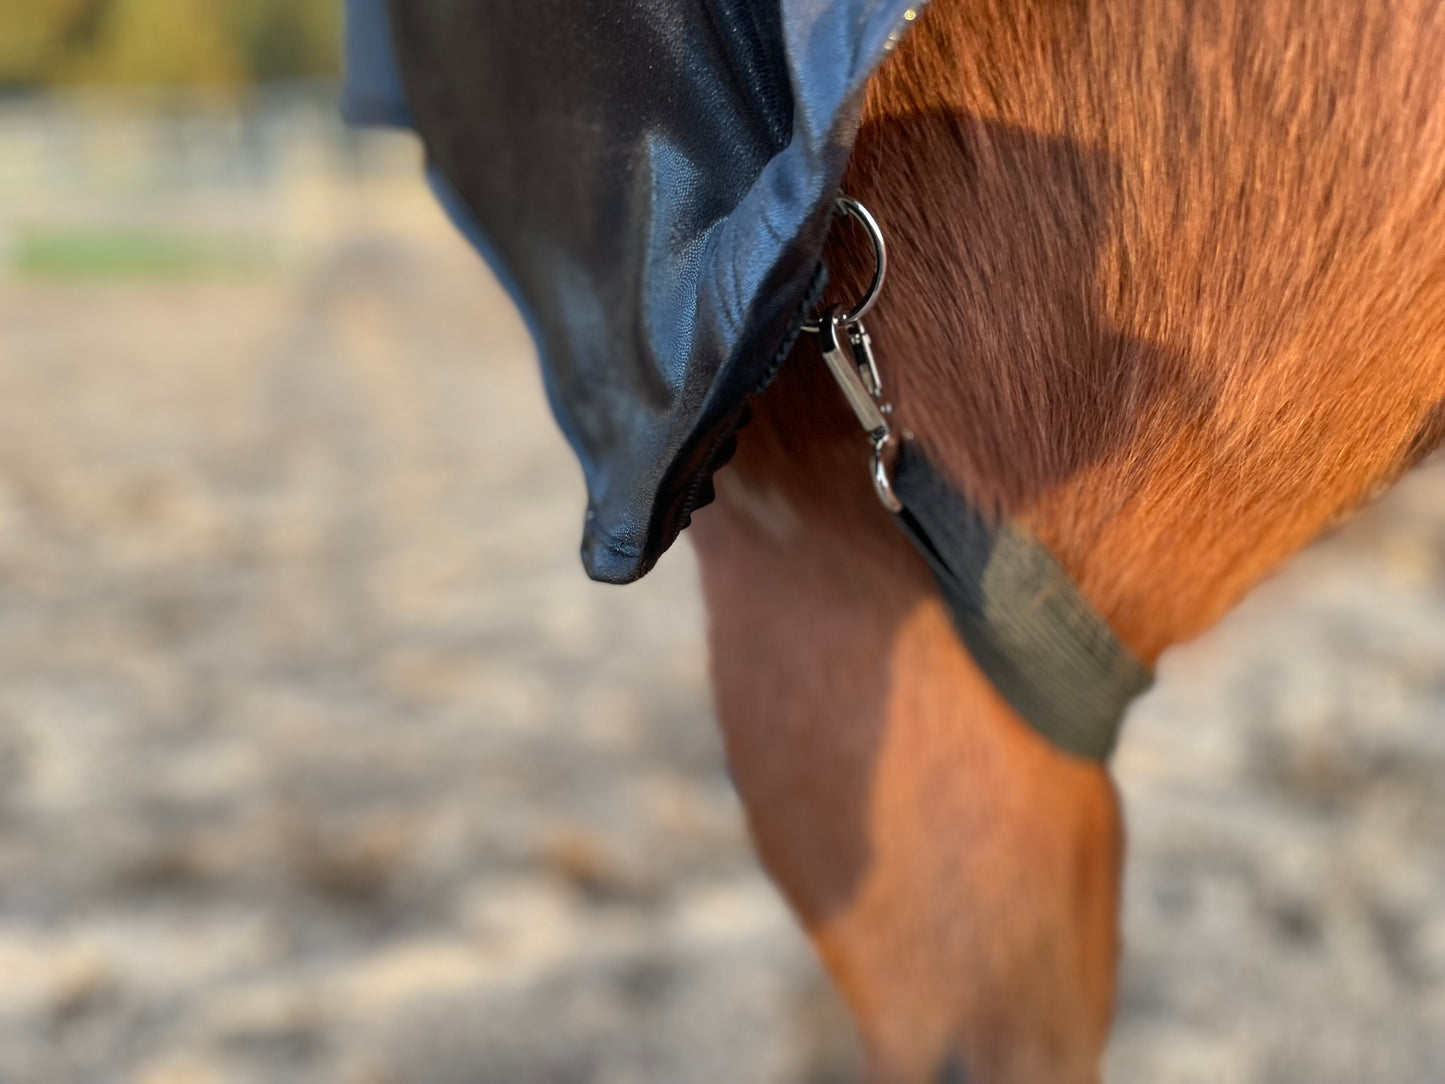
(765, 507)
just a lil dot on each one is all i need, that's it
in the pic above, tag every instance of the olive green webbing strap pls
(1046, 650)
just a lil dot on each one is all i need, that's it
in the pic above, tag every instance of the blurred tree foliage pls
(227, 42)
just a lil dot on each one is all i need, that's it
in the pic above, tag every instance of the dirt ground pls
(320, 760)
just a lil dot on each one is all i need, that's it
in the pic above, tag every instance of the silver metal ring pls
(854, 209)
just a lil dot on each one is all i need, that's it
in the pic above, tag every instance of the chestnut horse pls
(1167, 287)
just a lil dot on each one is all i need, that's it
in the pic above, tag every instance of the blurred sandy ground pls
(320, 760)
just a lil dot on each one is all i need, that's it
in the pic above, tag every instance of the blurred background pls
(321, 760)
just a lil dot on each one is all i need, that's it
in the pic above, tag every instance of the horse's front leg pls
(958, 876)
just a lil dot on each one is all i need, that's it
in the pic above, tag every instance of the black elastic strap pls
(1055, 660)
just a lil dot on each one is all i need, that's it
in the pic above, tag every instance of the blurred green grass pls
(130, 252)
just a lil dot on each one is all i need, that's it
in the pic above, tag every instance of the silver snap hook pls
(853, 367)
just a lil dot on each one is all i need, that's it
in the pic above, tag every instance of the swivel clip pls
(855, 368)
(856, 371)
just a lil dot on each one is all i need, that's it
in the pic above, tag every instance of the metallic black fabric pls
(653, 181)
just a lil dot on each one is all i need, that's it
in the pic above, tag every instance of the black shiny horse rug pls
(652, 181)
